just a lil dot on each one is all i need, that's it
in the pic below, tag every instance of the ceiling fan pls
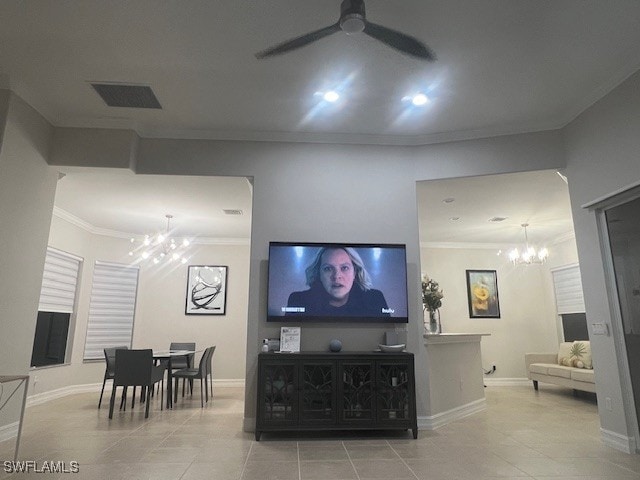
(353, 20)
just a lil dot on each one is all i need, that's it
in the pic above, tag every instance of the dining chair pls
(210, 371)
(135, 368)
(110, 367)
(179, 363)
(196, 373)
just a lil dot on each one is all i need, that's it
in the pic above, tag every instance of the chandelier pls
(529, 254)
(161, 247)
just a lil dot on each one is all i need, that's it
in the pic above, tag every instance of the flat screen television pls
(337, 282)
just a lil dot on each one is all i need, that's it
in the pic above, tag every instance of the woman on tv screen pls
(338, 285)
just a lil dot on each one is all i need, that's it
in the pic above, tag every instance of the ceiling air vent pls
(130, 96)
(232, 212)
(498, 219)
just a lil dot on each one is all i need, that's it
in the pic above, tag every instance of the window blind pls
(59, 282)
(568, 289)
(112, 307)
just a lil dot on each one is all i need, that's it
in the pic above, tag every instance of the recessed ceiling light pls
(419, 99)
(448, 200)
(331, 96)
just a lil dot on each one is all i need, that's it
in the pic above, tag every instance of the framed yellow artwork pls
(482, 294)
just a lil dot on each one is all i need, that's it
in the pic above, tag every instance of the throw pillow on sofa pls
(575, 354)
(564, 354)
(581, 354)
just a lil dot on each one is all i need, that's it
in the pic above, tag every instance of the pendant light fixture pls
(161, 247)
(529, 255)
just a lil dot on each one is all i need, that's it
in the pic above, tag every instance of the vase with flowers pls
(431, 302)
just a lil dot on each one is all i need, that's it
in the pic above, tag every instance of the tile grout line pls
(350, 461)
(402, 460)
(246, 460)
(299, 466)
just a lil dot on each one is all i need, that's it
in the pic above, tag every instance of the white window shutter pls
(568, 288)
(112, 307)
(59, 282)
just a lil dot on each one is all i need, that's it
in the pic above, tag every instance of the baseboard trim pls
(619, 442)
(249, 424)
(436, 421)
(44, 397)
(9, 431)
(507, 382)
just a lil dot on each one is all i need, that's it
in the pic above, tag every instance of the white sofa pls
(558, 368)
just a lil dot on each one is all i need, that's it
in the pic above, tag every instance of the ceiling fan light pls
(352, 23)
(419, 99)
(331, 96)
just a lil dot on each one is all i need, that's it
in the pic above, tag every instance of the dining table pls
(168, 355)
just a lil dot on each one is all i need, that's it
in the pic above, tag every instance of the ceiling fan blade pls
(400, 41)
(298, 42)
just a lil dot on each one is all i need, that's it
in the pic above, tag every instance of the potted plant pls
(431, 301)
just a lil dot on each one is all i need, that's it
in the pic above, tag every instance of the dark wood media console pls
(336, 391)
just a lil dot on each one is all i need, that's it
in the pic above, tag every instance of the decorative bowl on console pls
(392, 348)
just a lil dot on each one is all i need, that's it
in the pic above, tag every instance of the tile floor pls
(522, 434)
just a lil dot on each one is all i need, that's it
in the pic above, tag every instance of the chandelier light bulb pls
(529, 254)
(162, 247)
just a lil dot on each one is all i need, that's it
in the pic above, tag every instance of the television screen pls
(331, 282)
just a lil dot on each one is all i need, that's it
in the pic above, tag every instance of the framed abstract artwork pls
(206, 290)
(482, 294)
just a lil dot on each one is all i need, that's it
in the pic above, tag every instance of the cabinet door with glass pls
(277, 393)
(394, 392)
(318, 397)
(355, 395)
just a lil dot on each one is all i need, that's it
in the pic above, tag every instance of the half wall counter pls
(455, 377)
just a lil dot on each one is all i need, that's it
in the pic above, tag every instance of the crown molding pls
(494, 246)
(465, 245)
(105, 232)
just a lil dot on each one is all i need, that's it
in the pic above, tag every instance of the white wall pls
(27, 186)
(159, 317)
(602, 148)
(528, 320)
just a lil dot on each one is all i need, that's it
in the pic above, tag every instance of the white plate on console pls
(392, 348)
